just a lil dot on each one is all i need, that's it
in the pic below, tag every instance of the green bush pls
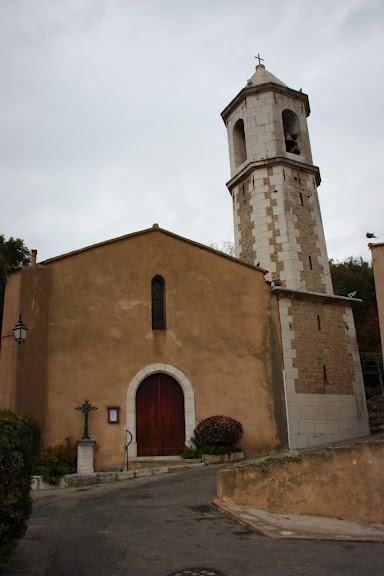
(218, 430)
(53, 462)
(19, 442)
(190, 452)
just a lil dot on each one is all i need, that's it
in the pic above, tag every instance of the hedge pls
(19, 443)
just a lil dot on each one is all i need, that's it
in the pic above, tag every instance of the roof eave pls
(267, 87)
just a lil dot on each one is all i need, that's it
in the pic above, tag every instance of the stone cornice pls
(274, 162)
(281, 292)
(267, 87)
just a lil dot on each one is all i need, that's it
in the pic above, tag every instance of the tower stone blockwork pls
(278, 226)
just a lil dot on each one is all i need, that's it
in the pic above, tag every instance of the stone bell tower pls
(278, 226)
(274, 184)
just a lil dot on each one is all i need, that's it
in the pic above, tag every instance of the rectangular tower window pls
(318, 322)
(325, 373)
(310, 262)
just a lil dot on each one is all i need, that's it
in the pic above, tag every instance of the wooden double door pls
(160, 423)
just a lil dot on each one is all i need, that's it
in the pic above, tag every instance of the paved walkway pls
(271, 524)
(300, 526)
(165, 525)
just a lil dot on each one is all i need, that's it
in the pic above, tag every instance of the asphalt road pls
(162, 525)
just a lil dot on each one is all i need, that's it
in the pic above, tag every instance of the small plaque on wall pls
(113, 414)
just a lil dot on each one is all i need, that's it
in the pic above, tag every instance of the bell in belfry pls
(291, 144)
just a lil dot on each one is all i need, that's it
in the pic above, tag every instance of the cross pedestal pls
(85, 456)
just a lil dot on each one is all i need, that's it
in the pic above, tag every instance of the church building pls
(159, 332)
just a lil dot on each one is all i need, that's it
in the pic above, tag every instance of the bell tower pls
(278, 226)
(274, 184)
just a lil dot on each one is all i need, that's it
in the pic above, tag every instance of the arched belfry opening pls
(239, 146)
(291, 132)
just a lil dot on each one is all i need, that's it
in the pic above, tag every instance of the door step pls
(154, 462)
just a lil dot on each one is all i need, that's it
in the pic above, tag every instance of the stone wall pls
(245, 235)
(344, 482)
(277, 223)
(324, 383)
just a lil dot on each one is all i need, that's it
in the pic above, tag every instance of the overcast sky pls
(110, 113)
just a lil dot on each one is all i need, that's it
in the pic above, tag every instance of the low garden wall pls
(341, 482)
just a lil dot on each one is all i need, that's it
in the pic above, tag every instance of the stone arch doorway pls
(189, 401)
(160, 422)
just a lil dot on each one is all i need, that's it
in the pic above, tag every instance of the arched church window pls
(291, 132)
(239, 147)
(158, 303)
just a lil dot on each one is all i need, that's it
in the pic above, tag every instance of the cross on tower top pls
(258, 57)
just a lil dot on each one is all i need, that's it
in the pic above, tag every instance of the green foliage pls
(54, 462)
(52, 473)
(357, 274)
(12, 253)
(19, 443)
(218, 430)
(264, 463)
(190, 452)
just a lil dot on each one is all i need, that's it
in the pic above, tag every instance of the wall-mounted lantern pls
(20, 331)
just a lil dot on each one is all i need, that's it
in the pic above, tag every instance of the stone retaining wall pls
(341, 482)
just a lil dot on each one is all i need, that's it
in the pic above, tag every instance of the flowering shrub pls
(218, 431)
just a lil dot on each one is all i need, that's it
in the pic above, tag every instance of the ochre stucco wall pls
(342, 482)
(92, 323)
(9, 349)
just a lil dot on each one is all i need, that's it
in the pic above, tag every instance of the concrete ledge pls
(37, 483)
(73, 480)
(184, 468)
(160, 462)
(144, 472)
(222, 458)
(236, 456)
(215, 458)
(300, 526)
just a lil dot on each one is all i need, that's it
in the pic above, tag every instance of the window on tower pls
(239, 146)
(291, 132)
(158, 303)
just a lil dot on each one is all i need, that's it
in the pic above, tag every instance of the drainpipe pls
(286, 410)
